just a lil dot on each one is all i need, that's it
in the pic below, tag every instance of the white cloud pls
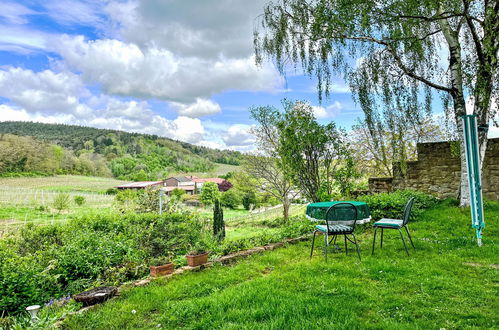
(190, 28)
(44, 92)
(125, 69)
(331, 110)
(319, 112)
(15, 13)
(200, 108)
(238, 135)
(70, 12)
(22, 40)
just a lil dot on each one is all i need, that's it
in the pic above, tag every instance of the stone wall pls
(380, 185)
(438, 171)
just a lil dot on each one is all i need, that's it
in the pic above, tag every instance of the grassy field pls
(30, 200)
(447, 282)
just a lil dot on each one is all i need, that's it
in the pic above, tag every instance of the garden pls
(447, 283)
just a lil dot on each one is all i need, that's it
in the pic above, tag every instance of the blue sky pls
(180, 69)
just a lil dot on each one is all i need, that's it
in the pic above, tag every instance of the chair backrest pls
(407, 211)
(343, 211)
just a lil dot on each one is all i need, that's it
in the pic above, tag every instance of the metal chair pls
(338, 212)
(395, 224)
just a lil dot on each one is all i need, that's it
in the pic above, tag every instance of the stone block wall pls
(438, 171)
(380, 185)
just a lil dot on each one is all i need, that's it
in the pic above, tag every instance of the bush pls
(61, 201)
(209, 193)
(249, 199)
(44, 262)
(111, 191)
(391, 205)
(178, 193)
(79, 200)
(230, 199)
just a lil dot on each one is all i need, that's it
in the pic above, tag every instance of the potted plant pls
(161, 266)
(198, 254)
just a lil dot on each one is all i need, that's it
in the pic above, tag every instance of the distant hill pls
(125, 155)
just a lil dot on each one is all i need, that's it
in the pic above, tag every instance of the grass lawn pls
(448, 282)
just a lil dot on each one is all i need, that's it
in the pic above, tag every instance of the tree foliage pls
(209, 193)
(64, 149)
(305, 152)
(393, 53)
(218, 221)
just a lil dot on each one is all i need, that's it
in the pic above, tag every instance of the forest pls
(28, 148)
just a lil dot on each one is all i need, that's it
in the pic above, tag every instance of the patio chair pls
(343, 212)
(395, 224)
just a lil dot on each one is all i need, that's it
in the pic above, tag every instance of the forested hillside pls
(56, 148)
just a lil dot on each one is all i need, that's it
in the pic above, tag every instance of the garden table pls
(317, 212)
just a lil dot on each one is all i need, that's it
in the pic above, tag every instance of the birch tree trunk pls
(457, 94)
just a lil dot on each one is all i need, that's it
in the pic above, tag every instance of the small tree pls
(178, 193)
(79, 200)
(230, 199)
(61, 202)
(209, 193)
(249, 199)
(218, 221)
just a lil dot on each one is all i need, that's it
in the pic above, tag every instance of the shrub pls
(209, 193)
(391, 205)
(178, 193)
(61, 201)
(79, 200)
(230, 199)
(44, 262)
(249, 199)
(111, 191)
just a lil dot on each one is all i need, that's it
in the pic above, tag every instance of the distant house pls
(140, 185)
(223, 185)
(193, 185)
(190, 184)
(180, 182)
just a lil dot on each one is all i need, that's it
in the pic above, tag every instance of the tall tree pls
(272, 179)
(398, 47)
(391, 137)
(305, 151)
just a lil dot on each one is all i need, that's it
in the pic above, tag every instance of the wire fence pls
(269, 213)
(29, 197)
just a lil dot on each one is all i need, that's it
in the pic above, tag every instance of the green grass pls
(448, 282)
(62, 183)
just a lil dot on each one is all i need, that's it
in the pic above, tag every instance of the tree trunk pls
(285, 211)
(457, 94)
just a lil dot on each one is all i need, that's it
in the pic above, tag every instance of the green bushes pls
(392, 205)
(79, 200)
(44, 262)
(61, 201)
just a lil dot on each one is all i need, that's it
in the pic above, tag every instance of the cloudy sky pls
(181, 69)
(178, 68)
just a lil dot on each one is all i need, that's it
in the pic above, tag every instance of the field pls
(447, 282)
(29, 200)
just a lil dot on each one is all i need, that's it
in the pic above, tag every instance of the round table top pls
(317, 211)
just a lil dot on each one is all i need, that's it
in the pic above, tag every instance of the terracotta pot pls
(161, 270)
(196, 260)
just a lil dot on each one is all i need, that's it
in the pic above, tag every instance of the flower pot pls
(198, 259)
(161, 270)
